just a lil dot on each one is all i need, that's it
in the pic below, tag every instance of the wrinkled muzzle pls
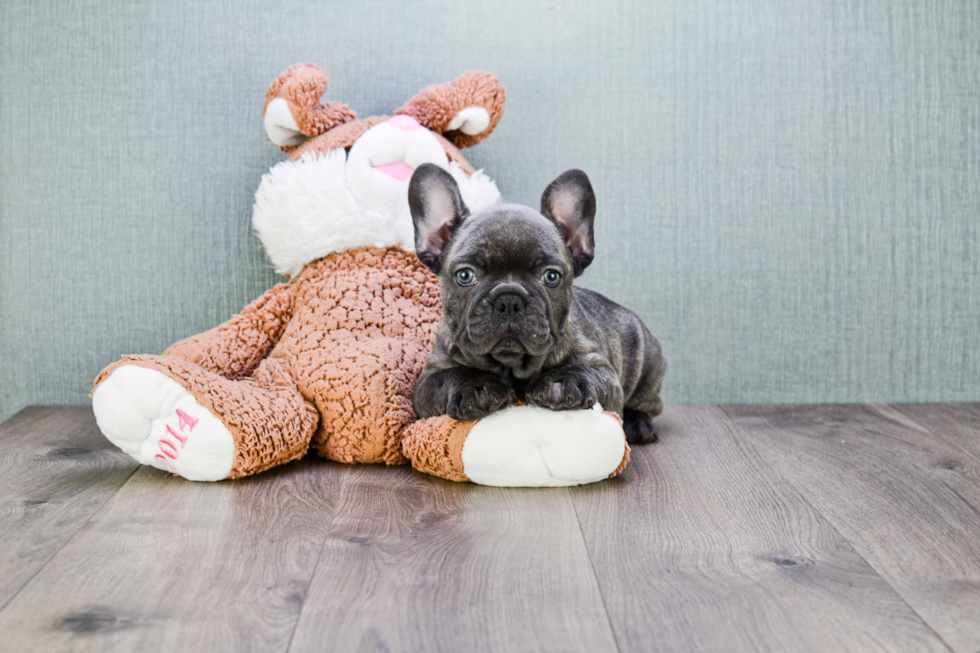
(508, 323)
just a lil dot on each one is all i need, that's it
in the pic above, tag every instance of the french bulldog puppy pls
(513, 323)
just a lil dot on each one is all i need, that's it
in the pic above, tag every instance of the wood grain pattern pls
(173, 565)
(56, 471)
(902, 496)
(956, 424)
(702, 546)
(416, 563)
(780, 528)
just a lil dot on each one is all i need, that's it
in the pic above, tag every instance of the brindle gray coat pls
(513, 323)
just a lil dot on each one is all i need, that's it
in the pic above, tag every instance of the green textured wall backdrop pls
(789, 191)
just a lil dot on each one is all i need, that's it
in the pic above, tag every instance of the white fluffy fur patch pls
(156, 421)
(530, 446)
(305, 210)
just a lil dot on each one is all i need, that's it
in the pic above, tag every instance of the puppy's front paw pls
(479, 396)
(563, 389)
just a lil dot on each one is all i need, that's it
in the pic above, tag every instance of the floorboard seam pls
(748, 442)
(595, 576)
(319, 557)
(69, 540)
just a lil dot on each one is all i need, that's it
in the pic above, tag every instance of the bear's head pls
(345, 183)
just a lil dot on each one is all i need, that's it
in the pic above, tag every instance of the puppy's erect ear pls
(437, 211)
(570, 202)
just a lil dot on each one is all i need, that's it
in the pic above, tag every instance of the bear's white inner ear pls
(280, 126)
(470, 121)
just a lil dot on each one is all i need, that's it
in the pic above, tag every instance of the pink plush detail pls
(172, 453)
(186, 420)
(180, 437)
(405, 123)
(400, 170)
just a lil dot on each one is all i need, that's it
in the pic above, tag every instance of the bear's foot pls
(521, 446)
(158, 422)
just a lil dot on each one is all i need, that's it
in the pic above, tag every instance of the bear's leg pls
(521, 446)
(364, 392)
(174, 415)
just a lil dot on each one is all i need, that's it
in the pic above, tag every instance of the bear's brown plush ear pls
(437, 211)
(293, 111)
(465, 110)
(570, 202)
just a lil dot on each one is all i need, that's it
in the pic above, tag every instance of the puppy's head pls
(506, 272)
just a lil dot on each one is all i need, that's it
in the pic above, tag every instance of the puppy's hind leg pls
(638, 426)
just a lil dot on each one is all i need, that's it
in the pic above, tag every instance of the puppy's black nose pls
(509, 304)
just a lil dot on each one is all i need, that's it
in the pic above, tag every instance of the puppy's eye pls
(465, 276)
(551, 278)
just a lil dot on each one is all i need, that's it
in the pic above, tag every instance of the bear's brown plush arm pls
(235, 348)
(435, 106)
(435, 446)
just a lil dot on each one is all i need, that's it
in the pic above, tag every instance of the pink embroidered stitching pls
(165, 455)
(182, 438)
(173, 449)
(186, 419)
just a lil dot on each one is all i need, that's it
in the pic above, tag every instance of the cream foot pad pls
(521, 446)
(156, 421)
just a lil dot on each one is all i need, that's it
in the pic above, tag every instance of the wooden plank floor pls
(755, 528)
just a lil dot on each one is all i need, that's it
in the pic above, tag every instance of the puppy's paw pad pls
(158, 422)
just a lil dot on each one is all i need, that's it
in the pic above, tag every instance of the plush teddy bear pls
(330, 358)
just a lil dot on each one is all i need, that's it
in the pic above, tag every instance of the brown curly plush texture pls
(338, 137)
(302, 86)
(255, 331)
(435, 106)
(435, 446)
(334, 125)
(330, 358)
(269, 420)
